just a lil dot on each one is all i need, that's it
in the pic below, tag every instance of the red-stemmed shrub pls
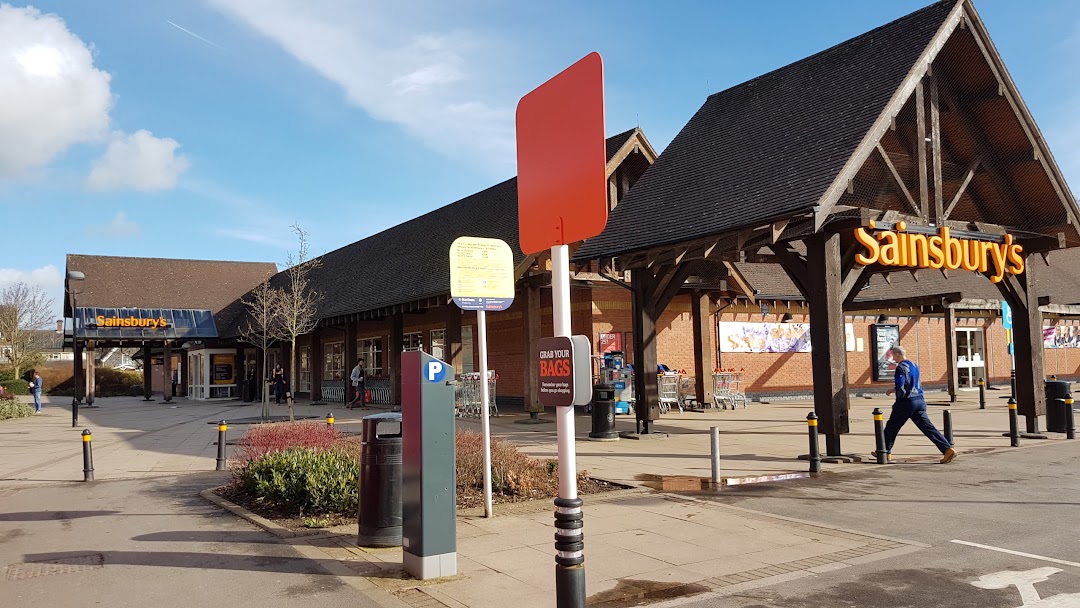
(262, 439)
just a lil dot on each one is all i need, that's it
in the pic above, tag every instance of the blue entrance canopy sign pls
(143, 324)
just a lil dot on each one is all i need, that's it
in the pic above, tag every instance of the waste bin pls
(603, 412)
(1055, 405)
(379, 514)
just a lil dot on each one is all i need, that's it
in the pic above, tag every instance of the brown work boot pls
(948, 455)
(888, 456)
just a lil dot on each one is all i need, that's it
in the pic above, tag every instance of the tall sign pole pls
(562, 199)
(482, 279)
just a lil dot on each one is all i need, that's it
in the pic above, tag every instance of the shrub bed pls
(303, 481)
(11, 408)
(57, 379)
(17, 386)
(263, 439)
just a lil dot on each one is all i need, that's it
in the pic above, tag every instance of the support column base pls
(632, 435)
(838, 459)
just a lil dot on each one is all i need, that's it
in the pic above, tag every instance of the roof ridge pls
(159, 259)
(834, 47)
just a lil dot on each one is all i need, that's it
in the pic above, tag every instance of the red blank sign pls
(562, 158)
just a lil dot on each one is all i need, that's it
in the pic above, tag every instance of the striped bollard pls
(87, 455)
(947, 416)
(815, 452)
(1014, 424)
(222, 428)
(1070, 425)
(330, 420)
(879, 437)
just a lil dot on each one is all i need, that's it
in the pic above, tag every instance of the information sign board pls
(481, 273)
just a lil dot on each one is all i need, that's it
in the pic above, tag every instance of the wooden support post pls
(531, 340)
(397, 343)
(1023, 297)
(829, 357)
(935, 146)
(350, 361)
(950, 352)
(703, 355)
(453, 337)
(166, 372)
(147, 374)
(920, 121)
(317, 365)
(91, 372)
(647, 406)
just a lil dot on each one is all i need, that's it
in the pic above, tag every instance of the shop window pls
(304, 385)
(413, 341)
(333, 361)
(438, 344)
(371, 351)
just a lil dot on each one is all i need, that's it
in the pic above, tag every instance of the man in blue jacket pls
(910, 405)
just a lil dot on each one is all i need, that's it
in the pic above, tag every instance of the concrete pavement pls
(640, 545)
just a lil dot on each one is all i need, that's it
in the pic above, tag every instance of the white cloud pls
(119, 227)
(138, 161)
(51, 95)
(46, 277)
(387, 65)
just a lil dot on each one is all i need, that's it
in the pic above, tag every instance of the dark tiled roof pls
(167, 283)
(770, 147)
(410, 261)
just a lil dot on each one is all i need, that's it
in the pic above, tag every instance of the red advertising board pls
(562, 158)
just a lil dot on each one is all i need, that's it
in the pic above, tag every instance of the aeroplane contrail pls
(194, 35)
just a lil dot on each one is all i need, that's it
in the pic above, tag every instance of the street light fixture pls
(74, 275)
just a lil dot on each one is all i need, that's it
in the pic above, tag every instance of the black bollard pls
(982, 394)
(569, 563)
(87, 456)
(221, 429)
(947, 415)
(1014, 424)
(879, 437)
(815, 452)
(1070, 425)
(330, 420)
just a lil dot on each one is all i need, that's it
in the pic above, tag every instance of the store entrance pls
(970, 356)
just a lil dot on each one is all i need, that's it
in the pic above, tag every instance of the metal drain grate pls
(66, 565)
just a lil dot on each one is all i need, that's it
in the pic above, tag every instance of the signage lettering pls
(941, 250)
(158, 323)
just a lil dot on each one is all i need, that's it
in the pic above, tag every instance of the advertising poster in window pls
(745, 337)
(1061, 336)
(221, 366)
(884, 337)
(610, 342)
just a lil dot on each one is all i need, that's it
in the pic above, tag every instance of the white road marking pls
(1020, 553)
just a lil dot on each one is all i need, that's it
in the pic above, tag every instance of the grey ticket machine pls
(428, 483)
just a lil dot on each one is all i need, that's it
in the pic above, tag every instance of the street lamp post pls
(74, 275)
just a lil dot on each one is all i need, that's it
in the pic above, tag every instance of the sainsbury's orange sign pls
(942, 250)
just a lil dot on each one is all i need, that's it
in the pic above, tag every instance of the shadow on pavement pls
(53, 515)
(197, 561)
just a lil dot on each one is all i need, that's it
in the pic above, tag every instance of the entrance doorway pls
(970, 356)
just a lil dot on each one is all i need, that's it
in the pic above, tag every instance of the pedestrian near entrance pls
(35, 389)
(358, 377)
(278, 379)
(910, 405)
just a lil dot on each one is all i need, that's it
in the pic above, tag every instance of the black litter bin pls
(380, 481)
(603, 412)
(1055, 405)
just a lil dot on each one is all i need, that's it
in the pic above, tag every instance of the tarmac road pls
(998, 505)
(149, 542)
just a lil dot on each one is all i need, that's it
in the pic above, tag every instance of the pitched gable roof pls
(769, 148)
(217, 286)
(410, 261)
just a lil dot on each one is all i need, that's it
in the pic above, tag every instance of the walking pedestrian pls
(358, 377)
(278, 378)
(35, 389)
(910, 405)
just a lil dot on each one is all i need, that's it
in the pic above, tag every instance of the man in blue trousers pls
(910, 405)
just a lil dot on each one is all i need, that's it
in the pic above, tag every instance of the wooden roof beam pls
(968, 176)
(898, 180)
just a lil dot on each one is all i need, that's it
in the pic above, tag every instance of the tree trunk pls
(292, 377)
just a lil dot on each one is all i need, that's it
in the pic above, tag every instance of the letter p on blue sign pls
(435, 371)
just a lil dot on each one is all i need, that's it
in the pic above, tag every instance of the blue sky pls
(204, 129)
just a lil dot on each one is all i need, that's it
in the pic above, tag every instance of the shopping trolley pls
(727, 389)
(467, 395)
(668, 383)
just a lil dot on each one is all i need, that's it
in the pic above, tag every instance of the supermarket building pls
(720, 251)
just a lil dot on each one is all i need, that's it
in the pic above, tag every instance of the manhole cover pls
(64, 565)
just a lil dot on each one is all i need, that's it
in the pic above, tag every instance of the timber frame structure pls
(917, 121)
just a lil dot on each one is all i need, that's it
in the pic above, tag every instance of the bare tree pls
(26, 313)
(299, 304)
(262, 327)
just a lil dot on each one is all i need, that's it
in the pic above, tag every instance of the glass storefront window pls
(333, 361)
(305, 370)
(371, 351)
(413, 341)
(438, 343)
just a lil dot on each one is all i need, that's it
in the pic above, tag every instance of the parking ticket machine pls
(615, 373)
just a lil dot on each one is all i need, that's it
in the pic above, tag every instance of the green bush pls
(17, 386)
(10, 408)
(303, 480)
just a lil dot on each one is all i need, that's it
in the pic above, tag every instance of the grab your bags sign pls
(565, 371)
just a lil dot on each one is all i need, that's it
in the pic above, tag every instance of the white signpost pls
(482, 279)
